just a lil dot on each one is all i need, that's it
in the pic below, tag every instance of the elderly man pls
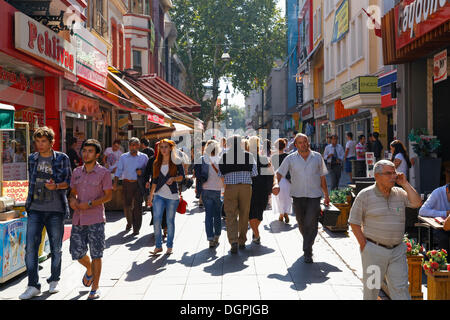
(377, 219)
(438, 205)
(308, 185)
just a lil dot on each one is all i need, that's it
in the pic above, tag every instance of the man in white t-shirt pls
(112, 156)
(350, 154)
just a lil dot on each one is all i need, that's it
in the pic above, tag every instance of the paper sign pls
(18, 190)
(440, 67)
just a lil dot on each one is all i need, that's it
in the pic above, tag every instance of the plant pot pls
(415, 276)
(342, 221)
(438, 284)
(428, 174)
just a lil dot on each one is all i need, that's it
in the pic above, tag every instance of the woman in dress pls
(400, 157)
(282, 203)
(164, 194)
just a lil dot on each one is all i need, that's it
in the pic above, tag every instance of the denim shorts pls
(348, 164)
(82, 236)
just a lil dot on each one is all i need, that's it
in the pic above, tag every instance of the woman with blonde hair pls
(164, 194)
(261, 187)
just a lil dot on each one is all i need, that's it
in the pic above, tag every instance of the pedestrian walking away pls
(262, 185)
(350, 154)
(334, 156)
(281, 203)
(237, 166)
(308, 171)
(212, 186)
(131, 166)
(91, 188)
(377, 219)
(164, 193)
(46, 205)
(438, 206)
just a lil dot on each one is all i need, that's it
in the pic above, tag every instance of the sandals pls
(87, 280)
(93, 295)
(156, 251)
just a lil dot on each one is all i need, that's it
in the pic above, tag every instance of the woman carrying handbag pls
(164, 192)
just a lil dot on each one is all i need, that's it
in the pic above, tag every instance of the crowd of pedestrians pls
(246, 172)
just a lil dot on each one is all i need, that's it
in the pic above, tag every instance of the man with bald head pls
(308, 184)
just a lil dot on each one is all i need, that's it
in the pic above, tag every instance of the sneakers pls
(53, 287)
(234, 248)
(30, 293)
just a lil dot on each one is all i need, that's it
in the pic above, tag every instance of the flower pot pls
(428, 174)
(415, 276)
(438, 284)
(342, 221)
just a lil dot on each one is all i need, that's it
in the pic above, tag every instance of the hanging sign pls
(440, 67)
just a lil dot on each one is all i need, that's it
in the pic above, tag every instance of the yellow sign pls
(18, 190)
(340, 22)
(376, 124)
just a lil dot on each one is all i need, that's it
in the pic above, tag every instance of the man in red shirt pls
(91, 187)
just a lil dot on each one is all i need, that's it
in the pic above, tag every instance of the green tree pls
(251, 31)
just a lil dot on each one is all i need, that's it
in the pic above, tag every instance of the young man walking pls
(91, 187)
(308, 185)
(350, 154)
(46, 205)
(334, 156)
(131, 166)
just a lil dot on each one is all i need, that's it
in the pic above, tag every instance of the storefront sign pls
(78, 103)
(440, 67)
(414, 18)
(376, 124)
(20, 81)
(340, 112)
(320, 112)
(359, 85)
(155, 118)
(91, 63)
(30, 115)
(307, 113)
(18, 190)
(42, 43)
(299, 93)
(340, 22)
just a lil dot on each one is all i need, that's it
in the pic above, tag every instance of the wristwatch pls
(90, 203)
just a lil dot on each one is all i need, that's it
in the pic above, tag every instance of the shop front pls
(307, 121)
(323, 129)
(420, 51)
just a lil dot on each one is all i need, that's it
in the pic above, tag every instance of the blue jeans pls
(213, 219)
(54, 223)
(159, 204)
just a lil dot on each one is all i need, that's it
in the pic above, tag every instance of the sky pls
(236, 98)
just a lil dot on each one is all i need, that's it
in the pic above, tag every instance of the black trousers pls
(307, 212)
(335, 175)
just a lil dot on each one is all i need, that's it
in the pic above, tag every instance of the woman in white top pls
(400, 157)
(281, 203)
(211, 191)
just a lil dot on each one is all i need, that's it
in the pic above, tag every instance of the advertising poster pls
(12, 248)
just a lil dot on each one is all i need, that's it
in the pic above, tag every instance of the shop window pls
(99, 22)
(137, 60)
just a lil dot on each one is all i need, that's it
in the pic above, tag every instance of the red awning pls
(163, 94)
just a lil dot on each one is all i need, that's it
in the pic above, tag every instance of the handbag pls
(182, 206)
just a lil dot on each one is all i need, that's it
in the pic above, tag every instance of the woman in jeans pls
(164, 192)
(211, 191)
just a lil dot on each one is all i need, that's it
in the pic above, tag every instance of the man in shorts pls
(91, 187)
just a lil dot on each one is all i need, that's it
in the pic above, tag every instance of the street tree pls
(252, 32)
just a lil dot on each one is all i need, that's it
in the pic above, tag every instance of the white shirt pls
(112, 157)
(351, 146)
(403, 167)
(329, 149)
(214, 182)
(305, 175)
(165, 190)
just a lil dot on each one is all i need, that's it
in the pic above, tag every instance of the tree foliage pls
(234, 118)
(251, 31)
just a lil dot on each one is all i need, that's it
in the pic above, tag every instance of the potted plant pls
(414, 255)
(427, 166)
(340, 199)
(438, 275)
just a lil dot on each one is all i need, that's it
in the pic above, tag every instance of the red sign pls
(20, 81)
(81, 104)
(156, 118)
(307, 113)
(415, 18)
(340, 112)
(29, 115)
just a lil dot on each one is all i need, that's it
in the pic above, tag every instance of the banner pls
(341, 22)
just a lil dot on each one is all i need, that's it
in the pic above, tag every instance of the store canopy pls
(163, 94)
(6, 117)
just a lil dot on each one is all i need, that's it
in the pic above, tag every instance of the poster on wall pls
(440, 67)
(18, 190)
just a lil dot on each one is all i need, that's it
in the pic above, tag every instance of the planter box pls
(329, 215)
(428, 174)
(342, 221)
(438, 284)
(415, 277)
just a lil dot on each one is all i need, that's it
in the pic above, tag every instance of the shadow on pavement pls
(336, 235)
(146, 241)
(196, 259)
(301, 274)
(150, 267)
(195, 210)
(80, 294)
(278, 227)
(113, 216)
(120, 238)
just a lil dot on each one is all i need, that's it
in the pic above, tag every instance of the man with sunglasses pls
(377, 219)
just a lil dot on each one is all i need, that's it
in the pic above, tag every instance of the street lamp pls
(225, 58)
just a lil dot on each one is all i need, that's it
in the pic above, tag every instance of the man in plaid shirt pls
(46, 205)
(237, 167)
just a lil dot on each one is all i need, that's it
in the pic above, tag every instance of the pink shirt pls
(360, 148)
(90, 186)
